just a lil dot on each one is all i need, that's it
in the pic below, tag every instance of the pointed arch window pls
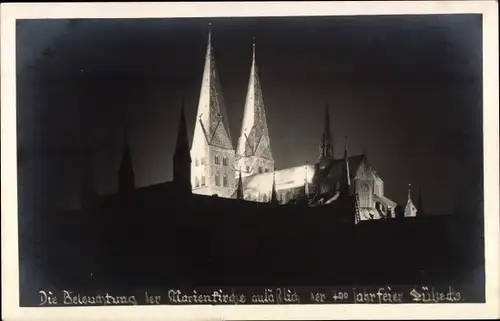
(203, 161)
(260, 169)
(248, 169)
(202, 180)
(224, 161)
(264, 198)
(224, 180)
(217, 179)
(266, 170)
(217, 160)
(196, 163)
(196, 181)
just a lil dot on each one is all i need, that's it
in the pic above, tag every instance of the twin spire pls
(211, 121)
(254, 137)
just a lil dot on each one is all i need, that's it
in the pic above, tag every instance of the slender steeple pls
(306, 184)
(346, 175)
(211, 122)
(410, 209)
(254, 145)
(182, 157)
(326, 146)
(126, 173)
(274, 196)
(212, 152)
(239, 191)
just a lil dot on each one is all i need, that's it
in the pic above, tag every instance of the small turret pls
(326, 150)
(410, 209)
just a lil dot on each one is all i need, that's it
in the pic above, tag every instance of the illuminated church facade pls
(248, 172)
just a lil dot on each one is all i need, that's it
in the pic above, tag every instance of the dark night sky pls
(407, 90)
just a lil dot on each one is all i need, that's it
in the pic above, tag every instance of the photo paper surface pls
(303, 160)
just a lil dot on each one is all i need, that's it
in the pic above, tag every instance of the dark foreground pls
(201, 244)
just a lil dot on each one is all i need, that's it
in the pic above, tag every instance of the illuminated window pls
(196, 181)
(217, 179)
(224, 180)
(224, 161)
(202, 180)
(217, 160)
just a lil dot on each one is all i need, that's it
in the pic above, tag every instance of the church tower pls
(326, 151)
(212, 152)
(126, 175)
(254, 146)
(182, 157)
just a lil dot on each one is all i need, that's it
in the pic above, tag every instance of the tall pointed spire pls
(126, 173)
(211, 121)
(182, 158)
(274, 196)
(326, 146)
(254, 144)
(239, 192)
(212, 146)
(306, 183)
(346, 175)
(410, 209)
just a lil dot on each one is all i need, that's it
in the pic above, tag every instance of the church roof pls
(334, 168)
(285, 179)
(293, 177)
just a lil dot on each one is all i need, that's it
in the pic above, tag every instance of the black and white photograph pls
(245, 159)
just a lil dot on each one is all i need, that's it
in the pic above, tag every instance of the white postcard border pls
(10, 272)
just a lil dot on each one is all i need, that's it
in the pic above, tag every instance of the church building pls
(248, 171)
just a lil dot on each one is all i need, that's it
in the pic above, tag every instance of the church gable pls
(218, 134)
(264, 148)
(364, 172)
(220, 138)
